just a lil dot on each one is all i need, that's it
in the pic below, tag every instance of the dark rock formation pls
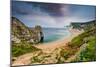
(21, 33)
(42, 37)
(38, 31)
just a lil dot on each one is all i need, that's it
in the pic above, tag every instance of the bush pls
(90, 53)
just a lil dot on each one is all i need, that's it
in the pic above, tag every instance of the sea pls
(54, 34)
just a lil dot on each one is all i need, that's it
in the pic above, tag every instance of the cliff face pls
(21, 33)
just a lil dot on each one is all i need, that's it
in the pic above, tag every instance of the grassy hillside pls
(90, 53)
(22, 38)
(22, 48)
(83, 38)
(89, 38)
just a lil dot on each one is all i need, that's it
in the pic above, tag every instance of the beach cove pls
(50, 46)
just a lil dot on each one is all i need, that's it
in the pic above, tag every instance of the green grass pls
(22, 48)
(90, 53)
(82, 38)
(88, 37)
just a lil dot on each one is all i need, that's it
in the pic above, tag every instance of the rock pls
(38, 31)
(21, 33)
(15, 39)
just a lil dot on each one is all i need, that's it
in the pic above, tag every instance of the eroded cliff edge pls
(21, 33)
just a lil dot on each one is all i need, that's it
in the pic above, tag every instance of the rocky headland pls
(21, 33)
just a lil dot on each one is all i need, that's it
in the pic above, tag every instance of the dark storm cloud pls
(30, 8)
(21, 8)
(52, 9)
(51, 14)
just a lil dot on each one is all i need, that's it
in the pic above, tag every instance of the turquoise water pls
(53, 34)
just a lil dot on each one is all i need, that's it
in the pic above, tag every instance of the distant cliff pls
(84, 25)
(21, 33)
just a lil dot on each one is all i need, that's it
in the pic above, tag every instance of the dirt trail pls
(23, 59)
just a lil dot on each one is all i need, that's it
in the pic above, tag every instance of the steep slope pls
(21, 33)
(22, 38)
(89, 38)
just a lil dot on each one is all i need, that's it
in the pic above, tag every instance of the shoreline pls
(49, 47)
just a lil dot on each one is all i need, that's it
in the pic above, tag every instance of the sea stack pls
(39, 33)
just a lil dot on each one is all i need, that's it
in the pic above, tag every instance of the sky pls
(51, 14)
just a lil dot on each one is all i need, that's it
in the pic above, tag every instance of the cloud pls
(25, 8)
(51, 15)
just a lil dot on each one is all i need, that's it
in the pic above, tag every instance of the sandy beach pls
(49, 47)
